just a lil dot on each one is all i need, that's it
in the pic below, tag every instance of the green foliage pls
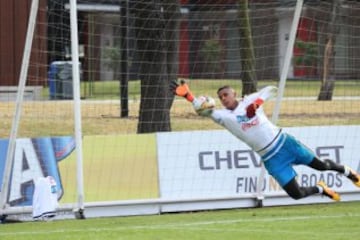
(310, 56)
(211, 54)
(211, 50)
(112, 55)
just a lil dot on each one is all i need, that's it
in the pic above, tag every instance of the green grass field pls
(294, 88)
(103, 119)
(323, 221)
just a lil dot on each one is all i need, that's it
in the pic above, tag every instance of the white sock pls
(321, 190)
(346, 171)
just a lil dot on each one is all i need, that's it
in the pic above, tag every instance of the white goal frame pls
(19, 100)
(4, 208)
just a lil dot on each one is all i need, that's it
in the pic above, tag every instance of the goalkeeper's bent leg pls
(296, 192)
(326, 165)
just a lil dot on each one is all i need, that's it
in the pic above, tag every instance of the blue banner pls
(34, 158)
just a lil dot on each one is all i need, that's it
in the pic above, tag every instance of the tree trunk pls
(248, 74)
(155, 64)
(172, 17)
(124, 74)
(328, 78)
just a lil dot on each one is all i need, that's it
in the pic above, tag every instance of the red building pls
(14, 16)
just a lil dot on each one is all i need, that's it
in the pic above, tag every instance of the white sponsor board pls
(213, 164)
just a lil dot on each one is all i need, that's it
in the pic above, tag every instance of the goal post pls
(287, 60)
(77, 108)
(9, 161)
(19, 100)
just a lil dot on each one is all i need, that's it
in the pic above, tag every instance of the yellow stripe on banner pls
(115, 168)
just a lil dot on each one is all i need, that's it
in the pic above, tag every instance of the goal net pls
(140, 144)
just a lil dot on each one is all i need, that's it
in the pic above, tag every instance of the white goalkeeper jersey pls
(257, 132)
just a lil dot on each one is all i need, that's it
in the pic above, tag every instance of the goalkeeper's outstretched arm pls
(255, 100)
(202, 105)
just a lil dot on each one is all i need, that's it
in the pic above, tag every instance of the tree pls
(308, 58)
(210, 54)
(248, 74)
(156, 25)
(328, 78)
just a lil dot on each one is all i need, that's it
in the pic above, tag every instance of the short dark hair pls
(223, 87)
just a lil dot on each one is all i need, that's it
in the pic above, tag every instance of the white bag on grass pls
(45, 198)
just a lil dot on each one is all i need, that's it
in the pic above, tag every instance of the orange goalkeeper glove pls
(251, 109)
(182, 90)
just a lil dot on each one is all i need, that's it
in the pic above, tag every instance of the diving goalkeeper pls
(279, 151)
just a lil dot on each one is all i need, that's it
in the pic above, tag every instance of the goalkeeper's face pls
(227, 96)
